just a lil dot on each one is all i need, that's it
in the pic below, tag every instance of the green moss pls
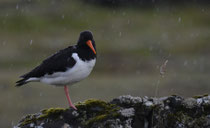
(97, 119)
(28, 119)
(174, 95)
(200, 96)
(46, 113)
(91, 104)
(101, 117)
(100, 110)
(199, 122)
(184, 118)
(51, 112)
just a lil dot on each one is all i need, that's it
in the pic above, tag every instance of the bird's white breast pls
(72, 75)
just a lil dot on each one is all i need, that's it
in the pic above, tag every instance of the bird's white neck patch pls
(75, 56)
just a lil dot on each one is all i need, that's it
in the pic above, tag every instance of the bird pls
(66, 67)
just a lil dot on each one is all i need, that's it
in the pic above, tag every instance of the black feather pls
(21, 82)
(59, 62)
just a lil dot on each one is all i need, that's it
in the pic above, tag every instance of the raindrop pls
(17, 7)
(179, 19)
(164, 36)
(157, 9)
(112, 26)
(12, 123)
(129, 21)
(124, 13)
(185, 63)
(113, 11)
(195, 62)
(22, 10)
(192, 35)
(138, 72)
(4, 43)
(31, 42)
(40, 94)
(52, 2)
(62, 16)
(120, 34)
(151, 48)
(4, 21)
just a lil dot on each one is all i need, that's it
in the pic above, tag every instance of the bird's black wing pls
(59, 62)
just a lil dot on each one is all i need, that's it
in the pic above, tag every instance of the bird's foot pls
(73, 107)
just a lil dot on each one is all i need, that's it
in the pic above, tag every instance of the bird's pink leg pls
(68, 97)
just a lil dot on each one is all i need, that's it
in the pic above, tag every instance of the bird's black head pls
(85, 36)
(86, 41)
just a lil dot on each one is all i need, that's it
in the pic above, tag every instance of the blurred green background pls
(132, 43)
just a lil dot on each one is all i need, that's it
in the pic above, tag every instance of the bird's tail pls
(21, 82)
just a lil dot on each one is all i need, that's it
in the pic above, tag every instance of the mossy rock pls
(126, 111)
(51, 113)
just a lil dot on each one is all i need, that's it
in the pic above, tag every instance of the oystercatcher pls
(66, 67)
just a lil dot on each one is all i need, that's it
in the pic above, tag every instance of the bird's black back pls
(59, 62)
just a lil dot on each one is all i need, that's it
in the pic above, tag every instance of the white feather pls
(75, 74)
(32, 79)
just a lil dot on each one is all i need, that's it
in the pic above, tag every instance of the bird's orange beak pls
(89, 43)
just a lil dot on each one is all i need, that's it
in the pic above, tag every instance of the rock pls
(126, 112)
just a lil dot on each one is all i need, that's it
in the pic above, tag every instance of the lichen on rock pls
(126, 112)
(39, 118)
